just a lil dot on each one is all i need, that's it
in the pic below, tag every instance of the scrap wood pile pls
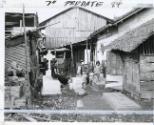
(15, 94)
(16, 87)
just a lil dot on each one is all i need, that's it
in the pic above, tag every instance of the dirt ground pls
(68, 101)
(79, 118)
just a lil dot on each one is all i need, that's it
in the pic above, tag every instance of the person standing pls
(53, 67)
(98, 70)
(104, 68)
(79, 69)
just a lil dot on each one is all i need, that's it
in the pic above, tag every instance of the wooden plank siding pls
(75, 26)
(16, 54)
(131, 77)
(147, 68)
(15, 51)
(139, 71)
(147, 76)
(115, 64)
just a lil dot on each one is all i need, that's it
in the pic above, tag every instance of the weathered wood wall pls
(115, 63)
(147, 76)
(17, 54)
(147, 68)
(139, 71)
(131, 77)
(75, 26)
(15, 51)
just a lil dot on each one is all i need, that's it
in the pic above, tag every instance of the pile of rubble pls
(16, 87)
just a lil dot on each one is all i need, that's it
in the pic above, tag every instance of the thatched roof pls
(132, 39)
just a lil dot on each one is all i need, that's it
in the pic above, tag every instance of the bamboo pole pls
(26, 51)
(25, 41)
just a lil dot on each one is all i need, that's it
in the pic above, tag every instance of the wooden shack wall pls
(17, 54)
(75, 26)
(114, 63)
(15, 51)
(147, 76)
(147, 68)
(131, 76)
(126, 65)
(138, 71)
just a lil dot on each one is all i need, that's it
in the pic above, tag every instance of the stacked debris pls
(15, 87)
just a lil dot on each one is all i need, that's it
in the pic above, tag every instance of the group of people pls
(94, 75)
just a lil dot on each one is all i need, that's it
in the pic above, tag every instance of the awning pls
(60, 49)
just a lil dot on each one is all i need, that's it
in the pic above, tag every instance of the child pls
(98, 70)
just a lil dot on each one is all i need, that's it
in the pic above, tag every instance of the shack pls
(106, 35)
(63, 58)
(135, 50)
(14, 23)
(70, 28)
(22, 69)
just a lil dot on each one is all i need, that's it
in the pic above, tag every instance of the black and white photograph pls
(78, 61)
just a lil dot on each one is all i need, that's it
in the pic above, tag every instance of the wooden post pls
(26, 53)
(90, 51)
(55, 53)
(26, 44)
(87, 49)
(36, 21)
(21, 22)
(91, 55)
(72, 60)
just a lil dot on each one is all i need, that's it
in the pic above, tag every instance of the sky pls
(45, 12)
